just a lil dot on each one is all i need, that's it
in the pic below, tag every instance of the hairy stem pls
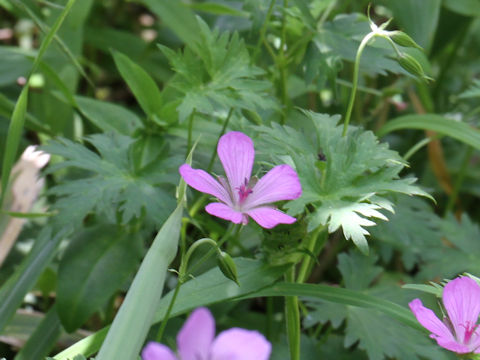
(292, 316)
(263, 31)
(307, 260)
(459, 181)
(356, 67)
(190, 131)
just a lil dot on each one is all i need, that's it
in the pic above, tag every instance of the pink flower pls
(459, 331)
(239, 197)
(196, 341)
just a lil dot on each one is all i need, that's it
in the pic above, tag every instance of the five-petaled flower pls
(196, 341)
(459, 330)
(239, 198)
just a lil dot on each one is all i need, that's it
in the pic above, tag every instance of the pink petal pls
(196, 336)
(156, 351)
(461, 298)
(202, 181)
(240, 344)
(452, 346)
(431, 322)
(268, 218)
(225, 212)
(280, 183)
(236, 152)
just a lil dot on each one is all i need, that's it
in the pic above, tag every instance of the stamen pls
(469, 331)
(244, 191)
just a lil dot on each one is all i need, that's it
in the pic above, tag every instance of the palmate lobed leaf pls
(219, 77)
(412, 230)
(440, 247)
(114, 187)
(379, 335)
(345, 178)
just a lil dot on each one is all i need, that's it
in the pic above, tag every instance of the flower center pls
(469, 331)
(243, 191)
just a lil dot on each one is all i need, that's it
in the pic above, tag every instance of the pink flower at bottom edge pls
(196, 341)
(459, 331)
(240, 199)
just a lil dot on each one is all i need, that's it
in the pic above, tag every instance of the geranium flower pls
(239, 197)
(459, 330)
(196, 341)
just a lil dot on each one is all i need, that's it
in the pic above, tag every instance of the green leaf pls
(374, 331)
(15, 63)
(43, 339)
(13, 139)
(36, 332)
(97, 262)
(13, 291)
(455, 129)
(108, 116)
(460, 254)
(346, 178)
(219, 78)
(132, 322)
(208, 288)
(472, 92)
(7, 107)
(217, 9)
(140, 83)
(341, 296)
(412, 231)
(114, 185)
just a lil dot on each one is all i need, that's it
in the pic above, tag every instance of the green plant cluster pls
(374, 104)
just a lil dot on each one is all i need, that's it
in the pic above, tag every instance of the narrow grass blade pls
(45, 29)
(208, 288)
(20, 110)
(7, 107)
(13, 139)
(130, 327)
(342, 296)
(455, 129)
(43, 339)
(26, 275)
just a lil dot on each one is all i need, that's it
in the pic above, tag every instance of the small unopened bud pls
(227, 266)
(410, 64)
(402, 39)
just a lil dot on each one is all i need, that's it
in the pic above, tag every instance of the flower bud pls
(410, 64)
(402, 39)
(227, 266)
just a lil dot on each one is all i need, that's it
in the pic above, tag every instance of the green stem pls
(458, 183)
(356, 67)
(263, 31)
(163, 325)
(269, 318)
(181, 279)
(236, 231)
(292, 316)
(282, 64)
(417, 147)
(190, 130)
(307, 261)
(224, 127)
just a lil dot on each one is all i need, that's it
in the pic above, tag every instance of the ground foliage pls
(122, 93)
